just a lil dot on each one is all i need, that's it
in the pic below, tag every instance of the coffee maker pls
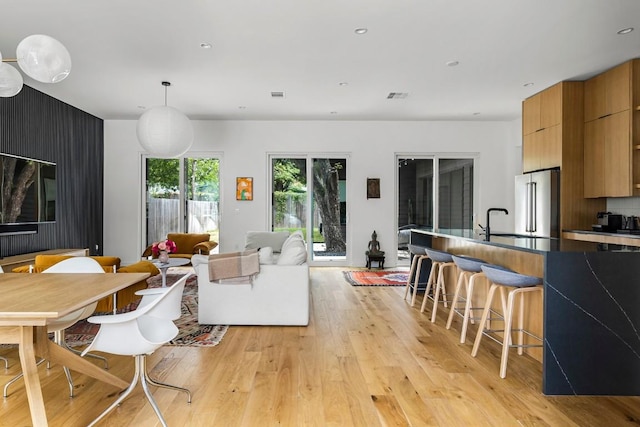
(608, 222)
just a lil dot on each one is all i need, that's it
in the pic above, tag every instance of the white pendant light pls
(41, 57)
(10, 81)
(165, 131)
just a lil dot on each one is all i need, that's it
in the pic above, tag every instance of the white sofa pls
(277, 295)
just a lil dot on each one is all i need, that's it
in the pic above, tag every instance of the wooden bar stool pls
(419, 254)
(441, 261)
(469, 269)
(519, 284)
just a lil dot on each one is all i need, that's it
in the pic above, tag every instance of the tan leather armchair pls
(187, 244)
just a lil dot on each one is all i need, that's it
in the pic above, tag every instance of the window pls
(317, 206)
(433, 192)
(181, 195)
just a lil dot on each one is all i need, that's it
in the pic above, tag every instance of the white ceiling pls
(122, 50)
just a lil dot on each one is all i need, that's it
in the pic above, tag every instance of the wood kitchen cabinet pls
(612, 132)
(541, 129)
(553, 131)
(542, 149)
(608, 157)
(608, 93)
(542, 110)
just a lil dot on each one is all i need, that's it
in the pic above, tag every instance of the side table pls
(164, 266)
(379, 258)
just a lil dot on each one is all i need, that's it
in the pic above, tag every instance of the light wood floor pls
(366, 359)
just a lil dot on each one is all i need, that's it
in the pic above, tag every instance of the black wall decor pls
(37, 126)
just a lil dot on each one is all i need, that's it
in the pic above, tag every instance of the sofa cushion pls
(140, 267)
(295, 253)
(294, 237)
(266, 255)
(262, 239)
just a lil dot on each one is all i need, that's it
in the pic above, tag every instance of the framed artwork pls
(244, 188)
(373, 188)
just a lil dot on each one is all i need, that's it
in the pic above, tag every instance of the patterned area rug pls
(376, 278)
(191, 333)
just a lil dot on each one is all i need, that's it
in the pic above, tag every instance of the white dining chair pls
(139, 333)
(57, 326)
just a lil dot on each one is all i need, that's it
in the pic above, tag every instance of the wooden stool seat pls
(519, 284)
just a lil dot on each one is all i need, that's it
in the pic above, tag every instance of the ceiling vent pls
(397, 95)
(277, 94)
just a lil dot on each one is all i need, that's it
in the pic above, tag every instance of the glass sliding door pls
(415, 199)
(289, 194)
(433, 192)
(309, 194)
(455, 194)
(182, 195)
(329, 217)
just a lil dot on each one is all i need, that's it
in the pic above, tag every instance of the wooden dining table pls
(29, 301)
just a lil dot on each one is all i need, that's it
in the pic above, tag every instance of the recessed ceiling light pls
(452, 63)
(625, 31)
(361, 30)
(205, 45)
(528, 84)
(343, 84)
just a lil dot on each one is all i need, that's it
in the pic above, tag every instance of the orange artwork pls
(244, 188)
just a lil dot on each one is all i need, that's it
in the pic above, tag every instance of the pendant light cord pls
(165, 84)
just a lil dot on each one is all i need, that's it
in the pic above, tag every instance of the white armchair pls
(141, 332)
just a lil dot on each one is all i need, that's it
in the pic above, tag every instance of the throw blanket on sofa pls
(234, 265)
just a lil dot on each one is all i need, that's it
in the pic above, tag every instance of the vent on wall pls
(397, 95)
(277, 94)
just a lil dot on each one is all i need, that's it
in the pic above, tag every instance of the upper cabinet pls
(612, 132)
(553, 130)
(543, 110)
(608, 93)
(542, 115)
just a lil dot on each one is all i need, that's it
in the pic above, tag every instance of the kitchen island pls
(590, 311)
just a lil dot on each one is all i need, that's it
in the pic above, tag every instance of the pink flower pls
(166, 245)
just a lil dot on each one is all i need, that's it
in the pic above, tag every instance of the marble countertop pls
(529, 244)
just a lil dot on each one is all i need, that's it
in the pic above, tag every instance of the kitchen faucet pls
(487, 228)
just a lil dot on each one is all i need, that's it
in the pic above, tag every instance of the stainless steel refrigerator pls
(538, 203)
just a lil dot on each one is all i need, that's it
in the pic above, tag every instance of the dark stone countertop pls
(539, 245)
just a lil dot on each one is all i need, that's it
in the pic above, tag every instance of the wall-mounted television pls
(27, 190)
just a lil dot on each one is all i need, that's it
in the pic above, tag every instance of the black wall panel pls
(38, 126)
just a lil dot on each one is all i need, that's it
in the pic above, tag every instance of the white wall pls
(371, 147)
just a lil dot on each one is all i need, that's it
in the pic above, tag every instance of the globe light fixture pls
(164, 131)
(41, 57)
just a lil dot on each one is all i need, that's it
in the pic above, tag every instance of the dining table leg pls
(31, 379)
(33, 342)
(47, 349)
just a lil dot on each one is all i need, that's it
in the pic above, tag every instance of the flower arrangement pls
(168, 246)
